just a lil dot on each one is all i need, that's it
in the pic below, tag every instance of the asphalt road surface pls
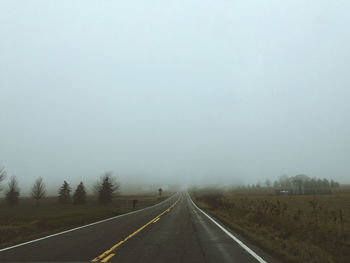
(172, 231)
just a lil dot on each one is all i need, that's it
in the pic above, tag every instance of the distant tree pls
(2, 176)
(334, 184)
(12, 192)
(284, 181)
(307, 185)
(160, 190)
(79, 196)
(64, 193)
(106, 187)
(325, 183)
(38, 190)
(267, 183)
(276, 184)
(313, 183)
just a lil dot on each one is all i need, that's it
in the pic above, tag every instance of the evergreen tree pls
(79, 196)
(12, 192)
(64, 193)
(106, 192)
(106, 187)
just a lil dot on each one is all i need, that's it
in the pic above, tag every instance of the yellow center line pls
(104, 254)
(108, 258)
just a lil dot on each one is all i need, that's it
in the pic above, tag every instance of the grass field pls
(25, 221)
(310, 228)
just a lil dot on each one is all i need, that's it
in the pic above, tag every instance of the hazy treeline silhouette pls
(105, 188)
(287, 181)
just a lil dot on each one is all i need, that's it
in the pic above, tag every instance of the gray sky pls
(175, 91)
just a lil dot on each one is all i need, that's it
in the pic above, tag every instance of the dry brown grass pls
(295, 228)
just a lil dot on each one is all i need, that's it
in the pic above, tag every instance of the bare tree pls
(38, 190)
(12, 192)
(2, 175)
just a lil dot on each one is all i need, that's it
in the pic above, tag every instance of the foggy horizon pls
(161, 94)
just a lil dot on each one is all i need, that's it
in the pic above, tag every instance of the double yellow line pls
(107, 255)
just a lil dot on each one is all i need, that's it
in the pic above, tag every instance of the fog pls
(174, 92)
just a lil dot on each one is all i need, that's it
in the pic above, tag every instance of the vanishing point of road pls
(175, 230)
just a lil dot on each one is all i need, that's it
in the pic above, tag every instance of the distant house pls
(283, 191)
(298, 188)
(303, 185)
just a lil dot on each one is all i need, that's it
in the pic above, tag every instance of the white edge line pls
(251, 252)
(84, 226)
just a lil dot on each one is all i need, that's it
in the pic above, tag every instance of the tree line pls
(285, 181)
(105, 188)
(308, 183)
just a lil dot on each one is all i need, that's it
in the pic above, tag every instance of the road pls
(172, 231)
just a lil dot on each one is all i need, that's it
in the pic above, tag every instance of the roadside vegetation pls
(295, 228)
(299, 184)
(26, 218)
